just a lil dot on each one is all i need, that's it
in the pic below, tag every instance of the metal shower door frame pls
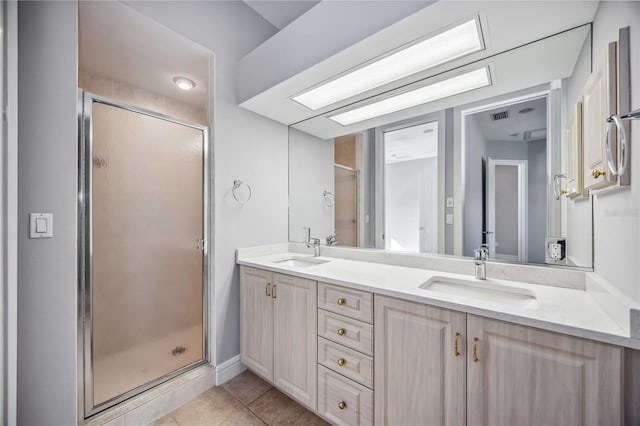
(86, 407)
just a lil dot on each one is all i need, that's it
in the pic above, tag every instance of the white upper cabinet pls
(575, 177)
(599, 102)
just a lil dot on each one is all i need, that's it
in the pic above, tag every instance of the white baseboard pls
(229, 369)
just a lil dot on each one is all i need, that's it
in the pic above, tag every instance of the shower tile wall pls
(136, 96)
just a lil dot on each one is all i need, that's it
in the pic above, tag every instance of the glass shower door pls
(144, 251)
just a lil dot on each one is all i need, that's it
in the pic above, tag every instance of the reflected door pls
(411, 188)
(507, 210)
(346, 205)
(144, 289)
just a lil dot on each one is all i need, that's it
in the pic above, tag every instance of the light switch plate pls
(40, 225)
(449, 201)
(448, 219)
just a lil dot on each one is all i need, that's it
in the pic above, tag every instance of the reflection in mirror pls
(449, 176)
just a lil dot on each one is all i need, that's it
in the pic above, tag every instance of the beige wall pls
(142, 98)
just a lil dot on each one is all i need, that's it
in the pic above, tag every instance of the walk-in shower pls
(143, 208)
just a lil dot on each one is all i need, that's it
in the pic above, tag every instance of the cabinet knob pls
(342, 405)
(341, 362)
(341, 301)
(597, 173)
(341, 331)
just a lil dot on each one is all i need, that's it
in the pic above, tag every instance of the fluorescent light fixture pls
(184, 83)
(442, 89)
(446, 46)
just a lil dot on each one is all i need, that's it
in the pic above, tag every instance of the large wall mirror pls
(446, 175)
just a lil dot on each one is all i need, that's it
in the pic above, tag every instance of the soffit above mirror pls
(271, 74)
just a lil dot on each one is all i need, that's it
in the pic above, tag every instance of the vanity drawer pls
(349, 363)
(343, 401)
(346, 301)
(346, 331)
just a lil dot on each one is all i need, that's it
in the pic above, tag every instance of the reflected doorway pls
(411, 185)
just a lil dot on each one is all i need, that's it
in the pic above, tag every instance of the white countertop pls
(565, 310)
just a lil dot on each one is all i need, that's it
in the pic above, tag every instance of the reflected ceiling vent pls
(499, 115)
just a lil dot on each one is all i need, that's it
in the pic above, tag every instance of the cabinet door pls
(599, 102)
(524, 376)
(419, 375)
(295, 338)
(256, 321)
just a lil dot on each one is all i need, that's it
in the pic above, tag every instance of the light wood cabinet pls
(419, 367)
(342, 401)
(278, 326)
(256, 323)
(295, 339)
(599, 102)
(418, 364)
(524, 376)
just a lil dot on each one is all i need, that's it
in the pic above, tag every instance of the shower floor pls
(122, 371)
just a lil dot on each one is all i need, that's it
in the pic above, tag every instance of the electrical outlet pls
(556, 251)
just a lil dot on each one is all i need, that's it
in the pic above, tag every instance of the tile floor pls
(244, 400)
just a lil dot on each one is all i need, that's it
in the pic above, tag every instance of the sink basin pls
(483, 291)
(300, 262)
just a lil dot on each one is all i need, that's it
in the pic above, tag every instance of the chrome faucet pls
(480, 260)
(315, 243)
(312, 242)
(332, 240)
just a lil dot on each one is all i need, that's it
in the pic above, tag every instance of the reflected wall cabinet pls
(575, 185)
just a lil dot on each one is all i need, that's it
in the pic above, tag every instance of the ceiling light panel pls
(444, 47)
(442, 89)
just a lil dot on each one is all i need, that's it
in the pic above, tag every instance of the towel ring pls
(617, 120)
(237, 184)
(615, 170)
(557, 192)
(328, 198)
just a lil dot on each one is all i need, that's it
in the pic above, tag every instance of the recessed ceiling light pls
(184, 83)
(454, 43)
(442, 89)
(525, 110)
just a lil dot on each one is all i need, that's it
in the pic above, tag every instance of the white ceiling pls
(517, 123)
(411, 143)
(505, 25)
(281, 13)
(121, 44)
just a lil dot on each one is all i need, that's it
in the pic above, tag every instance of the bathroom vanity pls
(378, 343)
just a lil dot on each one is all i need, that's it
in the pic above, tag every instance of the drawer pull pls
(597, 173)
(273, 292)
(341, 331)
(268, 290)
(342, 405)
(341, 301)
(475, 349)
(342, 362)
(455, 345)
